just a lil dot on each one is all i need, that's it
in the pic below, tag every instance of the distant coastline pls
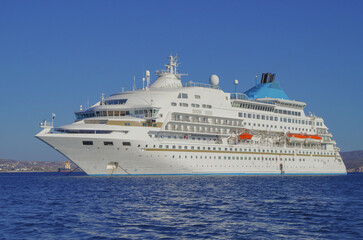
(353, 161)
(13, 166)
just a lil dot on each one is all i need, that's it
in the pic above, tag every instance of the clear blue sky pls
(56, 55)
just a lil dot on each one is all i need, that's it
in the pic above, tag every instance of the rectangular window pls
(106, 143)
(197, 96)
(87, 142)
(126, 143)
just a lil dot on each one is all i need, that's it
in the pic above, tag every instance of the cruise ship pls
(170, 128)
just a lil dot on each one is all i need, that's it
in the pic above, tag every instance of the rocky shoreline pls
(8, 165)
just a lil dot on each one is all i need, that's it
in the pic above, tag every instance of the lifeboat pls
(296, 138)
(245, 136)
(313, 139)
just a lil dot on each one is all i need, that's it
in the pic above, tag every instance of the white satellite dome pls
(214, 80)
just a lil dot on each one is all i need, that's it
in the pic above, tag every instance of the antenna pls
(143, 83)
(53, 116)
(147, 75)
(134, 88)
(256, 79)
(102, 98)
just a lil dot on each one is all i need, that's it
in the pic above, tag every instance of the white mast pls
(147, 75)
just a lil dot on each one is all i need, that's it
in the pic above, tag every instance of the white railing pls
(193, 84)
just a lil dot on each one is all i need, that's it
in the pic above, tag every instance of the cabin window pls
(173, 104)
(197, 96)
(107, 143)
(87, 142)
(183, 95)
(127, 144)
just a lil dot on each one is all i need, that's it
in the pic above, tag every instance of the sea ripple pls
(55, 206)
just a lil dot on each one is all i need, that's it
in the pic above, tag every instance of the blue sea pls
(55, 206)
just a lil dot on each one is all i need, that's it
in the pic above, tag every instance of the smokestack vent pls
(267, 78)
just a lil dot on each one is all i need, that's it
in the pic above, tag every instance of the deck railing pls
(193, 84)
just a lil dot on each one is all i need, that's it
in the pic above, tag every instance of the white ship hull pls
(134, 160)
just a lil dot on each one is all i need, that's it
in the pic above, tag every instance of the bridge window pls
(115, 102)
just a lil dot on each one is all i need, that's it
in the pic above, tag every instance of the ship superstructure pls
(172, 128)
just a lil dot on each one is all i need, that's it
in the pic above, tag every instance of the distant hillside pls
(8, 165)
(353, 160)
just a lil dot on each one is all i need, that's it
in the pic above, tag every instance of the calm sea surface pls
(54, 206)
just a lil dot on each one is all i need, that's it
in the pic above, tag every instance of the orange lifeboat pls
(245, 136)
(313, 139)
(296, 138)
